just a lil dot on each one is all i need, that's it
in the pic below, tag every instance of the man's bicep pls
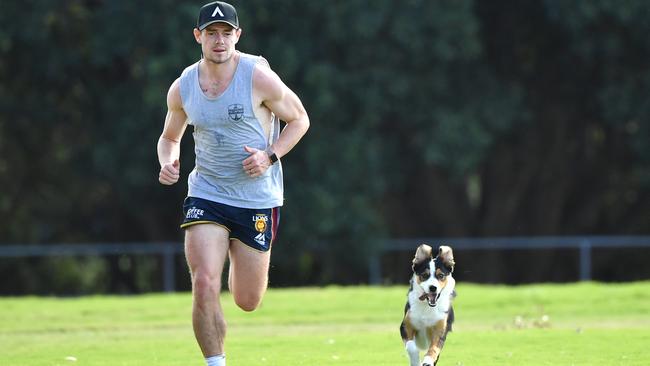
(287, 106)
(277, 96)
(175, 124)
(176, 119)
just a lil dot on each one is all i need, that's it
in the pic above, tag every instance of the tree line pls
(429, 119)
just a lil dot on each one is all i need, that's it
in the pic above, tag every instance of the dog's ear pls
(447, 256)
(423, 253)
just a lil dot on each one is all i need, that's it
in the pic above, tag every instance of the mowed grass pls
(575, 324)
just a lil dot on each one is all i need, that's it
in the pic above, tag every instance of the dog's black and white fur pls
(428, 315)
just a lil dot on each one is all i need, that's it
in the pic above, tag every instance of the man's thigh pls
(249, 270)
(206, 248)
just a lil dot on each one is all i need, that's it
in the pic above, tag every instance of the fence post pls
(374, 270)
(169, 270)
(585, 260)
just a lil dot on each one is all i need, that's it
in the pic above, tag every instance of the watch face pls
(271, 156)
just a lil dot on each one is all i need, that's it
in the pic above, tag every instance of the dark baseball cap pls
(217, 12)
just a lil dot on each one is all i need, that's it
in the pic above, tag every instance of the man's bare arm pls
(170, 139)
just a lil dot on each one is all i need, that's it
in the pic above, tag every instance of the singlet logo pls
(260, 222)
(217, 11)
(235, 112)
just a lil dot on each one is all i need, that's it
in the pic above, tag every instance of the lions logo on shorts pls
(260, 222)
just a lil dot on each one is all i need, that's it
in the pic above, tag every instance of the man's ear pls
(197, 35)
(238, 32)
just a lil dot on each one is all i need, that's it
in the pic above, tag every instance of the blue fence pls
(165, 249)
(583, 244)
(168, 250)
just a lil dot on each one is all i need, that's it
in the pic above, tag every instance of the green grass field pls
(588, 324)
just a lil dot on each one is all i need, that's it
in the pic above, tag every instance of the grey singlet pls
(222, 127)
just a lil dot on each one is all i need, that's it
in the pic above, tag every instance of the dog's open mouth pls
(431, 298)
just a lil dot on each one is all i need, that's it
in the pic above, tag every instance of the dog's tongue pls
(431, 297)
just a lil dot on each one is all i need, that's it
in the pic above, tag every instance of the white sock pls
(218, 360)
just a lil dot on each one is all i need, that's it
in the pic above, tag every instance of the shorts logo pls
(260, 222)
(260, 239)
(194, 213)
(236, 112)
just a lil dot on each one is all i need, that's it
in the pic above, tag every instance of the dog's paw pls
(428, 361)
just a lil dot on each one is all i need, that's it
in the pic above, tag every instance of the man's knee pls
(248, 301)
(205, 286)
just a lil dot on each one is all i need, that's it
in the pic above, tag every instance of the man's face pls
(217, 41)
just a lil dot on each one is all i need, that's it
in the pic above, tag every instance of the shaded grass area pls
(575, 324)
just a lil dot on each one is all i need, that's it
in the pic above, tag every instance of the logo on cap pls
(217, 11)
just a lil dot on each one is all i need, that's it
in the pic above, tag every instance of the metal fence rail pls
(165, 249)
(584, 244)
(168, 250)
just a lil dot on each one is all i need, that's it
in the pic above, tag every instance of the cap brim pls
(203, 26)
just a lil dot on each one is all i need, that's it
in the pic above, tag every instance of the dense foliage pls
(429, 118)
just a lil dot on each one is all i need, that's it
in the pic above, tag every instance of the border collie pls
(428, 314)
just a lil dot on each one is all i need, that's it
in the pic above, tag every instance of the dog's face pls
(432, 274)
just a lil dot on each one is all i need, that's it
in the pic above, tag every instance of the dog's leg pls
(408, 336)
(437, 336)
(413, 352)
(431, 357)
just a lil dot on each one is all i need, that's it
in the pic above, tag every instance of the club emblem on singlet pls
(260, 222)
(236, 112)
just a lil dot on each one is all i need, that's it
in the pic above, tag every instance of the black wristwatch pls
(271, 156)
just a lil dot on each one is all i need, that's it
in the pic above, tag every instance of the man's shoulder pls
(190, 68)
(174, 100)
(267, 83)
(255, 60)
(182, 84)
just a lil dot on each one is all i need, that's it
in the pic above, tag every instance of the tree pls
(445, 118)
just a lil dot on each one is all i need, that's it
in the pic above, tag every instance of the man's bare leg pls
(206, 247)
(249, 275)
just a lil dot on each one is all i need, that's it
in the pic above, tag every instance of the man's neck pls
(219, 71)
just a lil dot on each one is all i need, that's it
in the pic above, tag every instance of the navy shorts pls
(256, 228)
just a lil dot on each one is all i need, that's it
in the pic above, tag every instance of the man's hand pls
(257, 163)
(169, 173)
